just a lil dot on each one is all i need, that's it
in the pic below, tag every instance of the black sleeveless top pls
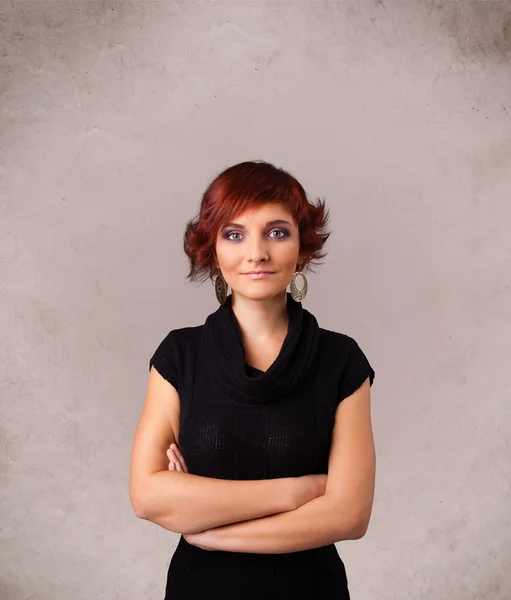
(238, 422)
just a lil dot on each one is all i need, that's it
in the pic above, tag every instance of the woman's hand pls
(176, 460)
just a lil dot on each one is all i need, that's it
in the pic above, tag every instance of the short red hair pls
(242, 187)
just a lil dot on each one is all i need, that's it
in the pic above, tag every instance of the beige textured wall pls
(114, 116)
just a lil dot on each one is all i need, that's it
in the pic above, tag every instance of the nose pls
(257, 251)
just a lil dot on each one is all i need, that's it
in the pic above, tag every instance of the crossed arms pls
(258, 516)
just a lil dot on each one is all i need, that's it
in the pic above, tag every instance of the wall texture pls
(114, 116)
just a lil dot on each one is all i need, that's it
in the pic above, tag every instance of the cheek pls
(289, 256)
(229, 260)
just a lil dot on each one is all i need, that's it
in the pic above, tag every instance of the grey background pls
(114, 117)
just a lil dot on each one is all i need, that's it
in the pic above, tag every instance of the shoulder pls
(335, 341)
(180, 342)
(182, 336)
(175, 352)
(351, 363)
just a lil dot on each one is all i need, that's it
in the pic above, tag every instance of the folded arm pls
(186, 503)
(341, 513)
(320, 522)
(182, 502)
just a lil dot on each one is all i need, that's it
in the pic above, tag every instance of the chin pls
(259, 292)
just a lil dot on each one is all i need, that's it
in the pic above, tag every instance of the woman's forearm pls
(186, 503)
(320, 522)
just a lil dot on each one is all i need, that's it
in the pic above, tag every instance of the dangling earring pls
(297, 294)
(220, 287)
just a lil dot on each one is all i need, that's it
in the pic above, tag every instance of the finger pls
(175, 459)
(178, 457)
(179, 454)
(177, 464)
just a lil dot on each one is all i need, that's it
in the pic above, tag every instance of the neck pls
(261, 320)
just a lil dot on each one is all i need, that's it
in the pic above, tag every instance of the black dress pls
(240, 423)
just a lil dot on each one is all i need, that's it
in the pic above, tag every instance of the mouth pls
(259, 274)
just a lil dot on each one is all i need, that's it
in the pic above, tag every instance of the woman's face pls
(264, 238)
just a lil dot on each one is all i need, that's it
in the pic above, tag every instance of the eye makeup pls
(268, 224)
(226, 234)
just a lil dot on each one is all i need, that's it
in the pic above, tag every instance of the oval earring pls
(220, 287)
(298, 294)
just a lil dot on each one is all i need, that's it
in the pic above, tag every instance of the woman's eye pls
(228, 235)
(284, 233)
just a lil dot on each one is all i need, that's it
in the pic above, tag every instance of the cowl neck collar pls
(225, 354)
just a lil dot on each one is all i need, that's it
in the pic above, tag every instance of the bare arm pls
(342, 513)
(187, 503)
(321, 521)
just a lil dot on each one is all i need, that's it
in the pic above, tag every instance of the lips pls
(259, 275)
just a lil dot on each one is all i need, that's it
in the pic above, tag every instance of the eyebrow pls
(269, 223)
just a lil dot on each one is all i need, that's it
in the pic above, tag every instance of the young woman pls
(255, 440)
